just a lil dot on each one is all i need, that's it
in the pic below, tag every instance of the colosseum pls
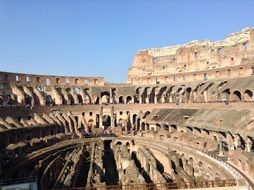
(183, 120)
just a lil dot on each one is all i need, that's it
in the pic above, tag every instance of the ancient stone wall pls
(195, 61)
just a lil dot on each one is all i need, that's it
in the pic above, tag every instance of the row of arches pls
(202, 93)
(229, 140)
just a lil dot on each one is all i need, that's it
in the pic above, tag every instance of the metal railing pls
(163, 186)
(18, 180)
(95, 135)
(238, 177)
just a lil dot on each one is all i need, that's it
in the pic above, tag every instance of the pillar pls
(236, 141)
(220, 148)
(249, 144)
(101, 117)
(147, 100)
(112, 117)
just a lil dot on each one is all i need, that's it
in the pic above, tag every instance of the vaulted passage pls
(111, 173)
(83, 172)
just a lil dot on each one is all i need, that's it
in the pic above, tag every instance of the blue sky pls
(100, 37)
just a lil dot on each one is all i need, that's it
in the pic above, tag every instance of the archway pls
(134, 118)
(120, 100)
(188, 95)
(105, 97)
(138, 124)
(70, 97)
(146, 114)
(77, 91)
(90, 124)
(248, 96)
(28, 100)
(96, 100)
(49, 100)
(106, 121)
(237, 96)
(87, 97)
(128, 100)
(152, 95)
(143, 125)
(59, 98)
(225, 94)
(1, 100)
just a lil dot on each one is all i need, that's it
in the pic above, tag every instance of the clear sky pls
(100, 37)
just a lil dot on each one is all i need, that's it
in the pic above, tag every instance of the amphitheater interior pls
(184, 119)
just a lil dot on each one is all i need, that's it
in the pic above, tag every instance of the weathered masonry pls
(184, 119)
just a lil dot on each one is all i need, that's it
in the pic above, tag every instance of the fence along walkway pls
(164, 186)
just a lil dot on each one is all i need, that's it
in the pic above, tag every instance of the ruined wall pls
(197, 60)
(45, 81)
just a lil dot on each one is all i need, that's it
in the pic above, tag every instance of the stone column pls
(163, 99)
(140, 99)
(220, 148)
(230, 142)
(101, 117)
(155, 99)
(249, 144)
(111, 97)
(237, 141)
(147, 99)
(112, 117)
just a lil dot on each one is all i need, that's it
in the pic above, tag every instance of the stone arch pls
(188, 95)
(38, 99)
(79, 96)
(145, 95)
(96, 100)
(172, 128)
(146, 114)
(147, 126)
(225, 94)
(70, 96)
(190, 129)
(120, 100)
(105, 97)
(59, 98)
(120, 122)
(138, 124)
(87, 97)
(106, 121)
(200, 164)
(137, 95)
(236, 96)
(128, 100)
(143, 126)
(28, 100)
(152, 95)
(49, 100)
(127, 144)
(90, 124)
(113, 94)
(134, 118)
(191, 161)
(248, 96)
(178, 95)
(161, 94)
(168, 97)
(158, 127)
(1, 100)
(196, 130)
